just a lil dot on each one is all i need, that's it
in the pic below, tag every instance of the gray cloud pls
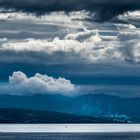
(22, 25)
(104, 9)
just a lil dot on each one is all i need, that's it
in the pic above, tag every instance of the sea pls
(70, 132)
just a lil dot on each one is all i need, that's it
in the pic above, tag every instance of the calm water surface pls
(69, 136)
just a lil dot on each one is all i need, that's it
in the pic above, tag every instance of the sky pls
(70, 47)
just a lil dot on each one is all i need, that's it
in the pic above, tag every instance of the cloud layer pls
(82, 47)
(96, 57)
(104, 10)
(20, 84)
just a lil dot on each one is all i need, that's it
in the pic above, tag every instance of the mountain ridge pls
(96, 105)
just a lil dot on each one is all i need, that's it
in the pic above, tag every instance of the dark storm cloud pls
(105, 9)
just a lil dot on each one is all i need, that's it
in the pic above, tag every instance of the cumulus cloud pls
(105, 10)
(20, 84)
(82, 47)
(66, 50)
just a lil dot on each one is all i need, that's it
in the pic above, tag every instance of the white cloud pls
(82, 47)
(72, 47)
(125, 26)
(130, 16)
(18, 25)
(57, 18)
(20, 84)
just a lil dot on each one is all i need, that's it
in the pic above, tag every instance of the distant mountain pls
(32, 116)
(100, 105)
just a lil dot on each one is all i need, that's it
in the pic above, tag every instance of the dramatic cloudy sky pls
(70, 47)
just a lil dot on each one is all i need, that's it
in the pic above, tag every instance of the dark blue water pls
(69, 136)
